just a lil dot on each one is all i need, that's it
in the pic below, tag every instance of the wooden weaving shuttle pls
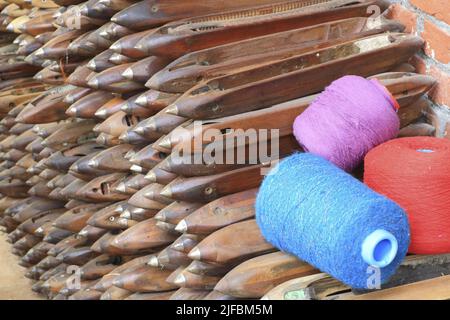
(207, 188)
(99, 189)
(294, 77)
(232, 244)
(180, 37)
(220, 213)
(151, 13)
(188, 70)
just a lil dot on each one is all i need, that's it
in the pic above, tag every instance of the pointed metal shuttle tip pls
(151, 176)
(126, 214)
(172, 109)
(69, 99)
(181, 226)
(91, 65)
(39, 53)
(121, 187)
(128, 74)
(93, 83)
(136, 168)
(115, 58)
(124, 137)
(93, 163)
(96, 127)
(179, 280)
(195, 254)
(100, 113)
(152, 83)
(73, 111)
(119, 209)
(151, 125)
(74, 167)
(139, 130)
(160, 216)
(141, 100)
(29, 59)
(71, 46)
(153, 261)
(138, 210)
(101, 140)
(165, 143)
(166, 192)
(83, 233)
(116, 46)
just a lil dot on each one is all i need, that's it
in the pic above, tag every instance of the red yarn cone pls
(415, 173)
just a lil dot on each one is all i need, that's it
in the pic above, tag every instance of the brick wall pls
(430, 19)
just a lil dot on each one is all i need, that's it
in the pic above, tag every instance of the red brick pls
(437, 42)
(405, 16)
(439, 93)
(437, 8)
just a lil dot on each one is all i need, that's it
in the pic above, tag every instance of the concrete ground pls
(13, 284)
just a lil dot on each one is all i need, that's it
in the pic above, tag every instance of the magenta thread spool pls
(347, 120)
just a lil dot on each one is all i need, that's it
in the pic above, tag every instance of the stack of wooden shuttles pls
(98, 97)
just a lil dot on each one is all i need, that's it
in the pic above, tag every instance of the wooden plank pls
(433, 289)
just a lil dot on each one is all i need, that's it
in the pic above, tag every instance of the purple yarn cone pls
(352, 116)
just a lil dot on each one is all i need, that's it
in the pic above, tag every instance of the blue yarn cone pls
(312, 209)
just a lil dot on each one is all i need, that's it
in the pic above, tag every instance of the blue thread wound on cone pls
(310, 208)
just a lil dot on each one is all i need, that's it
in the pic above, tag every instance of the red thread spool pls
(415, 173)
